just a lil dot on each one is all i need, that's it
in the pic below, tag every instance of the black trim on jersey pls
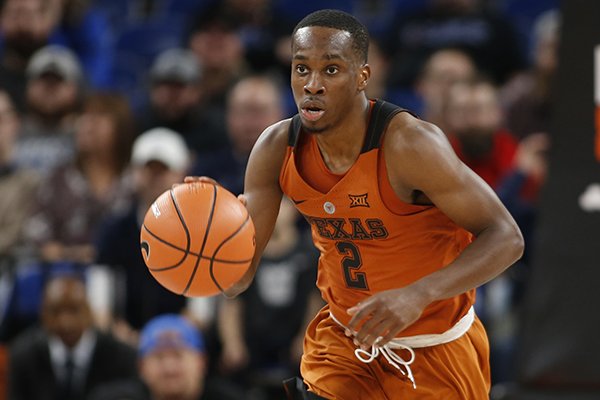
(381, 115)
(294, 130)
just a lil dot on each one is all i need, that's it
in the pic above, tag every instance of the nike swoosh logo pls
(145, 246)
(296, 202)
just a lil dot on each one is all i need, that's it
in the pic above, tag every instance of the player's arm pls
(425, 162)
(421, 163)
(262, 193)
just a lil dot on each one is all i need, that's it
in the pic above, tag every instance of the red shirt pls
(494, 165)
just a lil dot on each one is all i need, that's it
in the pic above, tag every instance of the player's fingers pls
(242, 198)
(206, 179)
(370, 331)
(389, 330)
(359, 312)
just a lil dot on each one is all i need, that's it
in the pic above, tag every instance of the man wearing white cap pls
(159, 159)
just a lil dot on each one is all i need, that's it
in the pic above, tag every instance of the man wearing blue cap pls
(172, 365)
(172, 359)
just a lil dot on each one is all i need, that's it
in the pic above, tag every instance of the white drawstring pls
(409, 342)
(392, 358)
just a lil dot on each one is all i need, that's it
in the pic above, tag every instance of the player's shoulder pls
(406, 132)
(275, 136)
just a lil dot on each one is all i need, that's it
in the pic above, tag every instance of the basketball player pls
(406, 232)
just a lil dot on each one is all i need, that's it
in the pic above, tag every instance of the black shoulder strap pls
(294, 130)
(381, 115)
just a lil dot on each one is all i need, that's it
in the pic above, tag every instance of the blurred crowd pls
(105, 104)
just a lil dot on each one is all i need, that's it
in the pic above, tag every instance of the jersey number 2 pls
(350, 263)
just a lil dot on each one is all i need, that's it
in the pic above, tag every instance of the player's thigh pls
(453, 371)
(330, 368)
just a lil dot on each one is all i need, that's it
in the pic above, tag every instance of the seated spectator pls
(527, 97)
(79, 194)
(17, 185)
(519, 191)
(18, 188)
(475, 129)
(218, 45)
(442, 69)
(159, 159)
(172, 365)
(262, 330)
(379, 63)
(66, 357)
(25, 27)
(253, 104)
(175, 102)
(260, 26)
(54, 93)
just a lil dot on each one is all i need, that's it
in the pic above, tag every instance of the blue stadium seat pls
(130, 77)
(183, 7)
(148, 38)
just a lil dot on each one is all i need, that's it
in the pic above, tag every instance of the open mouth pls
(312, 113)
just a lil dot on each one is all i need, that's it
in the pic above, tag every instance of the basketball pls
(197, 239)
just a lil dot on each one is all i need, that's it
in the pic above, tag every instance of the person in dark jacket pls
(66, 357)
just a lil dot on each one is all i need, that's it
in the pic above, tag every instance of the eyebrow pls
(328, 56)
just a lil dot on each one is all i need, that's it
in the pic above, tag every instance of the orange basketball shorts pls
(456, 370)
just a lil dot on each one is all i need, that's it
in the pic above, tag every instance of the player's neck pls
(341, 146)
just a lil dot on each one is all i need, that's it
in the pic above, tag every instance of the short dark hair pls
(342, 21)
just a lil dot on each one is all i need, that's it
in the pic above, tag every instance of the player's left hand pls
(379, 318)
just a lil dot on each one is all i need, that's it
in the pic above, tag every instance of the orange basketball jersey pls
(370, 241)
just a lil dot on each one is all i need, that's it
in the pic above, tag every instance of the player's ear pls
(363, 77)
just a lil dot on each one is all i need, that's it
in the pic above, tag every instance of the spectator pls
(218, 45)
(487, 37)
(515, 171)
(260, 29)
(253, 104)
(379, 63)
(262, 331)
(475, 129)
(159, 159)
(442, 69)
(25, 27)
(527, 98)
(67, 357)
(54, 92)
(79, 194)
(175, 102)
(519, 191)
(18, 187)
(172, 365)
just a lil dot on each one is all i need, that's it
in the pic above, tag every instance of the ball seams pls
(212, 259)
(204, 240)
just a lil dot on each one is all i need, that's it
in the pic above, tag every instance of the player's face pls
(327, 75)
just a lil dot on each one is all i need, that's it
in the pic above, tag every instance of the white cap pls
(55, 59)
(163, 145)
